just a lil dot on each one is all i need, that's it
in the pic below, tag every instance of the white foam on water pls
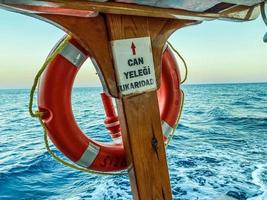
(256, 179)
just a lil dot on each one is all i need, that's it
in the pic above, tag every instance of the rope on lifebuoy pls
(183, 60)
(183, 95)
(39, 114)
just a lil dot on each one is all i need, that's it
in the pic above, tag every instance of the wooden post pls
(143, 141)
(139, 113)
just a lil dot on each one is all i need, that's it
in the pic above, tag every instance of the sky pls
(215, 51)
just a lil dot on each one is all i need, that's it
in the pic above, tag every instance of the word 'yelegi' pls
(136, 73)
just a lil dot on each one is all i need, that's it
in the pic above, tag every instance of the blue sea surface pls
(219, 148)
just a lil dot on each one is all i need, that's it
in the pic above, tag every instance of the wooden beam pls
(143, 141)
(139, 113)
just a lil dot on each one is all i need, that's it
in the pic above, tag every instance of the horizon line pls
(185, 84)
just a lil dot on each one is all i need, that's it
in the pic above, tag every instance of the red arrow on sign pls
(133, 47)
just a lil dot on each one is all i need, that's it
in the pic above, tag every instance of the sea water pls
(219, 148)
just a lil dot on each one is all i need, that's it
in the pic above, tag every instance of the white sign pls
(134, 65)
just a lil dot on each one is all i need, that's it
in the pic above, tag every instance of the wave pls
(259, 178)
(40, 163)
(242, 120)
(220, 139)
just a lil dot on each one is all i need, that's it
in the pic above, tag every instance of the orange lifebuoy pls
(54, 100)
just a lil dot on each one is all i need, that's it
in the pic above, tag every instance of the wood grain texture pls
(91, 33)
(143, 140)
(139, 114)
(158, 29)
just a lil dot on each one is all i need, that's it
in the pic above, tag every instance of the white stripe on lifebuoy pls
(113, 124)
(73, 55)
(89, 155)
(166, 128)
(70, 139)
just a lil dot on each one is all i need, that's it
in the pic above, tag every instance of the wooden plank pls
(143, 141)
(139, 114)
